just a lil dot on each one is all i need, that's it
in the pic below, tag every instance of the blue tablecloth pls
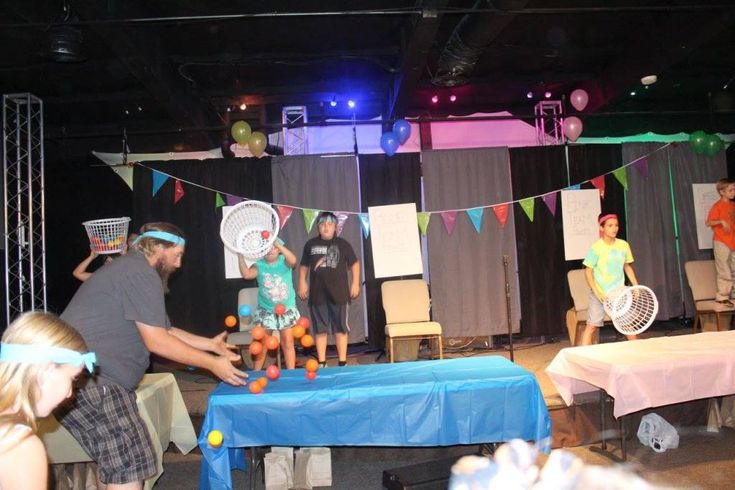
(428, 403)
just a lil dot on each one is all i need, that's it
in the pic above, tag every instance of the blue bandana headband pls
(162, 235)
(41, 354)
(326, 219)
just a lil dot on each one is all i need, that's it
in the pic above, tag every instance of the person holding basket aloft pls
(275, 286)
(607, 263)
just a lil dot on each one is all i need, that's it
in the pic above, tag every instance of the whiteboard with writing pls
(705, 195)
(580, 210)
(394, 234)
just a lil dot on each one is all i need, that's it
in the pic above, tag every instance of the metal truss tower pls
(549, 122)
(295, 139)
(23, 199)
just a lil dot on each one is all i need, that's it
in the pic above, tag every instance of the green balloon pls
(241, 132)
(697, 141)
(712, 145)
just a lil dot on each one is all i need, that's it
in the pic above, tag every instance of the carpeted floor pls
(703, 460)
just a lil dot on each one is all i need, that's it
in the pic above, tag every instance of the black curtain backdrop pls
(383, 181)
(76, 191)
(200, 296)
(542, 270)
(589, 161)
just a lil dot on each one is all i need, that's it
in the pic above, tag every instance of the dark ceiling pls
(177, 70)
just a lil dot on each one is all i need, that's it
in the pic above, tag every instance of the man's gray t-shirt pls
(104, 311)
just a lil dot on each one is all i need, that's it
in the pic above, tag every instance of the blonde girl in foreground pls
(40, 356)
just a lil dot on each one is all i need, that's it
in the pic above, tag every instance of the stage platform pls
(704, 458)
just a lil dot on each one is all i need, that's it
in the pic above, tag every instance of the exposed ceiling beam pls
(141, 54)
(669, 42)
(415, 56)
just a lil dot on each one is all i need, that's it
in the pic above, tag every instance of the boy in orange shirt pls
(721, 219)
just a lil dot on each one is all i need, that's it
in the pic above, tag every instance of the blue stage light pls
(351, 104)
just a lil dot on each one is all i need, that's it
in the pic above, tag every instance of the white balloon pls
(579, 99)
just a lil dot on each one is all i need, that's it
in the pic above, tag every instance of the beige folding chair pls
(407, 305)
(577, 315)
(702, 279)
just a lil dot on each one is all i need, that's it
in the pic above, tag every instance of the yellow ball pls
(215, 438)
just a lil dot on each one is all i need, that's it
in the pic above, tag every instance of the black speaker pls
(432, 475)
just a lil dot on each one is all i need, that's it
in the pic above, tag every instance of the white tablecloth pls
(161, 407)
(649, 373)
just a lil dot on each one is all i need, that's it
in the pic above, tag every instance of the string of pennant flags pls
(448, 216)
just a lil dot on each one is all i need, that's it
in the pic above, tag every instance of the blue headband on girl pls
(41, 354)
(162, 235)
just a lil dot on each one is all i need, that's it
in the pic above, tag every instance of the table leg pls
(623, 438)
(603, 442)
(603, 433)
(255, 462)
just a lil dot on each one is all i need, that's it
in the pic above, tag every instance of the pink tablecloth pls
(649, 373)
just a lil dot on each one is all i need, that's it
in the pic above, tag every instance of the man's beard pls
(164, 272)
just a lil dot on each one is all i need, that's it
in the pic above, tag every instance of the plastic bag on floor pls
(657, 433)
(278, 472)
(313, 468)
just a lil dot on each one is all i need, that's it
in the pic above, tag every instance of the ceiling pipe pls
(473, 34)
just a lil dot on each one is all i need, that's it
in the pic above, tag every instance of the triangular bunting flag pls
(341, 220)
(158, 180)
(622, 177)
(232, 200)
(475, 215)
(501, 213)
(309, 218)
(574, 187)
(423, 219)
(218, 201)
(125, 173)
(284, 212)
(450, 219)
(527, 205)
(365, 224)
(178, 191)
(642, 166)
(599, 183)
(550, 201)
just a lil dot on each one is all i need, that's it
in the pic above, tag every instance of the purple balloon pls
(572, 128)
(389, 143)
(402, 129)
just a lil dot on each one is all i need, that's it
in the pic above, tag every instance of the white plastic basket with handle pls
(108, 236)
(250, 228)
(631, 309)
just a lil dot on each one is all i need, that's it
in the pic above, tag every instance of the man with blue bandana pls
(121, 314)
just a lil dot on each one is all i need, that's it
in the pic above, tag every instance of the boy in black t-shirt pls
(326, 259)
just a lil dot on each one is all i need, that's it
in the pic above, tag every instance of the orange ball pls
(255, 348)
(307, 341)
(271, 342)
(311, 375)
(304, 322)
(273, 372)
(230, 321)
(262, 381)
(255, 387)
(312, 365)
(279, 309)
(297, 331)
(257, 332)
